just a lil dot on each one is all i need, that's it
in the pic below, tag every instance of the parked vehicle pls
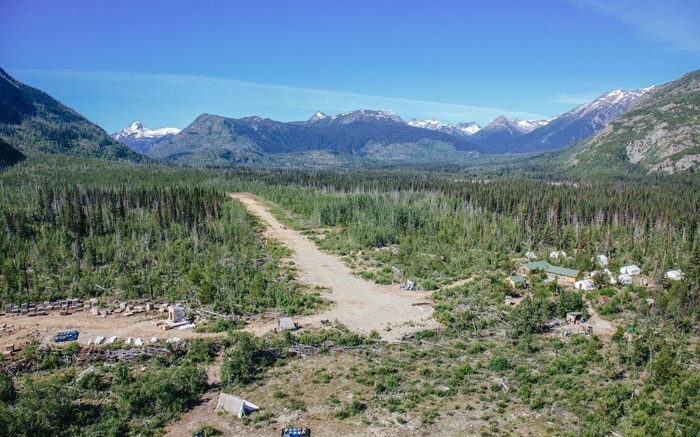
(296, 431)
(66, 336)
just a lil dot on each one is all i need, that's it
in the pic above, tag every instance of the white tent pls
(631, 270)
(585, 284)
(676, 275)
(235, 405)
(624, 279)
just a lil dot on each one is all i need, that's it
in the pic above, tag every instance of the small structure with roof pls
(631, 270)
(176, 314)
(624, 279)
(287, 324)
(515, 281)
(530, 255)
(674, 275)
(562, 275)
(234, 405)
(574, 317)
(585, 285)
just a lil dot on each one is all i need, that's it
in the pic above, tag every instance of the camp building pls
(561, 275)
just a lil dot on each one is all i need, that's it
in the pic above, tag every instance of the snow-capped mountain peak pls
(613, 99)
(527, 126)
(318, 115)
(427, 124)
(366, 115)
(459, 129)
(137, 130)
(140, 138)
(515, 125)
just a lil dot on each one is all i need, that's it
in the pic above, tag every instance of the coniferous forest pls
(83, 228)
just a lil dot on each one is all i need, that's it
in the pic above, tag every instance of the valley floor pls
(358, 304)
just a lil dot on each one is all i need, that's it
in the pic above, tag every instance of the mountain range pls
(34, 122)
(654, 129)
(363, 134)
(370, 135)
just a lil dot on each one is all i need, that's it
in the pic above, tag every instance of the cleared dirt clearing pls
(360, 305)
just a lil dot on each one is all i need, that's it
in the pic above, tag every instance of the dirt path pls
(359, 304)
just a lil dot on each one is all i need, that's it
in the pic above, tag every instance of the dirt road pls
(359, 304)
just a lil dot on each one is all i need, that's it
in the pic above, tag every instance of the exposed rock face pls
(660, 134)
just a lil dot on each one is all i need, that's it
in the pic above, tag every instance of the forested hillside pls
(35, 122)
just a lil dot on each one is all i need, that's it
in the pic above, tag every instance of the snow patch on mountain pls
(515, 126)
(460, 129)
(615, 101)
(137, 130)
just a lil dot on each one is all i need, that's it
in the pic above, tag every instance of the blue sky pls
(165, 62)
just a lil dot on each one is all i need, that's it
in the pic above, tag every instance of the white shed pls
(631, 270)
(624, 279)
(530, 255)
(585, 285)
(235, 405)
(676, 275)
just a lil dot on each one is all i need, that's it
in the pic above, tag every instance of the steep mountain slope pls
(35, 122)
(581, 122)
(212, 139)
(457, 129)
(659, 134)
(518, 136)
(9, 155)
(141, 139)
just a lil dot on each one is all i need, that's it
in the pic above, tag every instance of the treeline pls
(148, 241)
(457, 224)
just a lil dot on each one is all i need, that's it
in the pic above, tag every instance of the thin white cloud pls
(231, 97)
(676, 22)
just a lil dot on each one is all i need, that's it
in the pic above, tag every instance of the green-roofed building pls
(562, 275)
(515, 281)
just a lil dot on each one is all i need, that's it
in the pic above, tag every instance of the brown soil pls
(20, 329)
(359, 304)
